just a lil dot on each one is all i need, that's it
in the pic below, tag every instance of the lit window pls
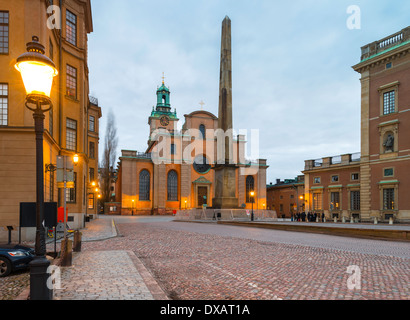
(388, 199)
(71, 81)
(71, 143)
(71, 28)
(4, 32)
(4, 104)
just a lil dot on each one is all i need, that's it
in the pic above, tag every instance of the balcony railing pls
(382, 45)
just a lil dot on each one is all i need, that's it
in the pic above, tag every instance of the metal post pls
(39, 266)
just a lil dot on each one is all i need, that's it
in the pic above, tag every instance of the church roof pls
(163, 88)
(198, 112)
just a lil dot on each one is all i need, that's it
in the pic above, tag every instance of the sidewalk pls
(106, 275)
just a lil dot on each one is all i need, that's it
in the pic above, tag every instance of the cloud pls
(292, 71)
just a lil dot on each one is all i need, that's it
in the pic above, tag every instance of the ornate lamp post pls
(38, 72)
(253, 201)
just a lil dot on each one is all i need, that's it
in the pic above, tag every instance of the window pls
(355, 176)
(172, 186)
(92, 174)
(388, 199)
(173, 149)
(317, 201)
(389, 102)
(4, 32)
(91, 126)
(335, 178)
(355, 200)
(71, 28)
(389, 65)
(250, 186)
(202, 129)
(91, 201)
(71, 81)
(145, 184)
(316, 180)
(71, 193)
(92, 150)
(71, 134)
(389, 172)
(4, 104)
(335, 201)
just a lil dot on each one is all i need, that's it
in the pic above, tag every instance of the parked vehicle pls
(13, 258)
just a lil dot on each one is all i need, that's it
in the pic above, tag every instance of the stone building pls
(71, 127)
(375, 183)
(175, 172)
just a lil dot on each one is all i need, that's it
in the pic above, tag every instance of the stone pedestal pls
(225, 188)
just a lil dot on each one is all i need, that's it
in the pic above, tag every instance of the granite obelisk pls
(225, 169)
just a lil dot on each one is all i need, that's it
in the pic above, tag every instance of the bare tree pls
(109, 157)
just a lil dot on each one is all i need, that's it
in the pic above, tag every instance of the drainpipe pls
(60, 96)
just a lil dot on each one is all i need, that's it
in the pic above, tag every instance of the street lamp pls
(253, 201)
(37, 72)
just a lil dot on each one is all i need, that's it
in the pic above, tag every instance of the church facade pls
(177, 170)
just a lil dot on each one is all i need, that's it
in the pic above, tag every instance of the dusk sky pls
(292, 75)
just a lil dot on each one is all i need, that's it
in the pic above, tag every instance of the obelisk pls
(225, 169)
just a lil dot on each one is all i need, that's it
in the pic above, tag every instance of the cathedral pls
(199, 167)
(177, 170)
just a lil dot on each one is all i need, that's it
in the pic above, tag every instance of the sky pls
(291, 60)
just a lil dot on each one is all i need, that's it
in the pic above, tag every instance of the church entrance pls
(202, 196)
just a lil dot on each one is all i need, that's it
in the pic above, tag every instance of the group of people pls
(309, 217)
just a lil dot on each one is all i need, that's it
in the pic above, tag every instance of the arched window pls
(172, 186)
(250, 186)
(145, 185)
(203, 131)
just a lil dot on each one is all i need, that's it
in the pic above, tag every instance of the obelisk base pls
(225, 187)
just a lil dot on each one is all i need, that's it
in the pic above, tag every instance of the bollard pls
(335, 220)
(66, 253)
(77, 241)
(391, 221)
(344, 219)
(375, 220)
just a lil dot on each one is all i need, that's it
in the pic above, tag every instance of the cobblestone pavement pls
(13, 285)
(109, 275)
(209, 262)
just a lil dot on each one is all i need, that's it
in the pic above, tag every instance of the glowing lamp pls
(76, 159)
(37, 71)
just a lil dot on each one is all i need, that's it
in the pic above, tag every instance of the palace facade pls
(375, 183)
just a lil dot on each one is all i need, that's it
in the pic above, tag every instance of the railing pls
(385, 43)
(318, 163)
(142, 155)
(93, 100)
(356, 157)
(336, 160)
(390, 41)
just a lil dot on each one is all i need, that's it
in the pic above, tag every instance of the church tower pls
(161, 116)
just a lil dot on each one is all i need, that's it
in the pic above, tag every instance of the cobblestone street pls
(207, 262)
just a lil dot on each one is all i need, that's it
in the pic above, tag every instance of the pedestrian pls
(303, 216)
(323, 217)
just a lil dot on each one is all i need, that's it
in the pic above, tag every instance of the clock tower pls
(162, 117)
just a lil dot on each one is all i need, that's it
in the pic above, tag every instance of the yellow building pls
(72, 125)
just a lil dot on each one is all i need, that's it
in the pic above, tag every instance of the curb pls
(374, 234)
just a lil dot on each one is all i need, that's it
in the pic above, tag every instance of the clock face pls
(164, 121)
(201, 164)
